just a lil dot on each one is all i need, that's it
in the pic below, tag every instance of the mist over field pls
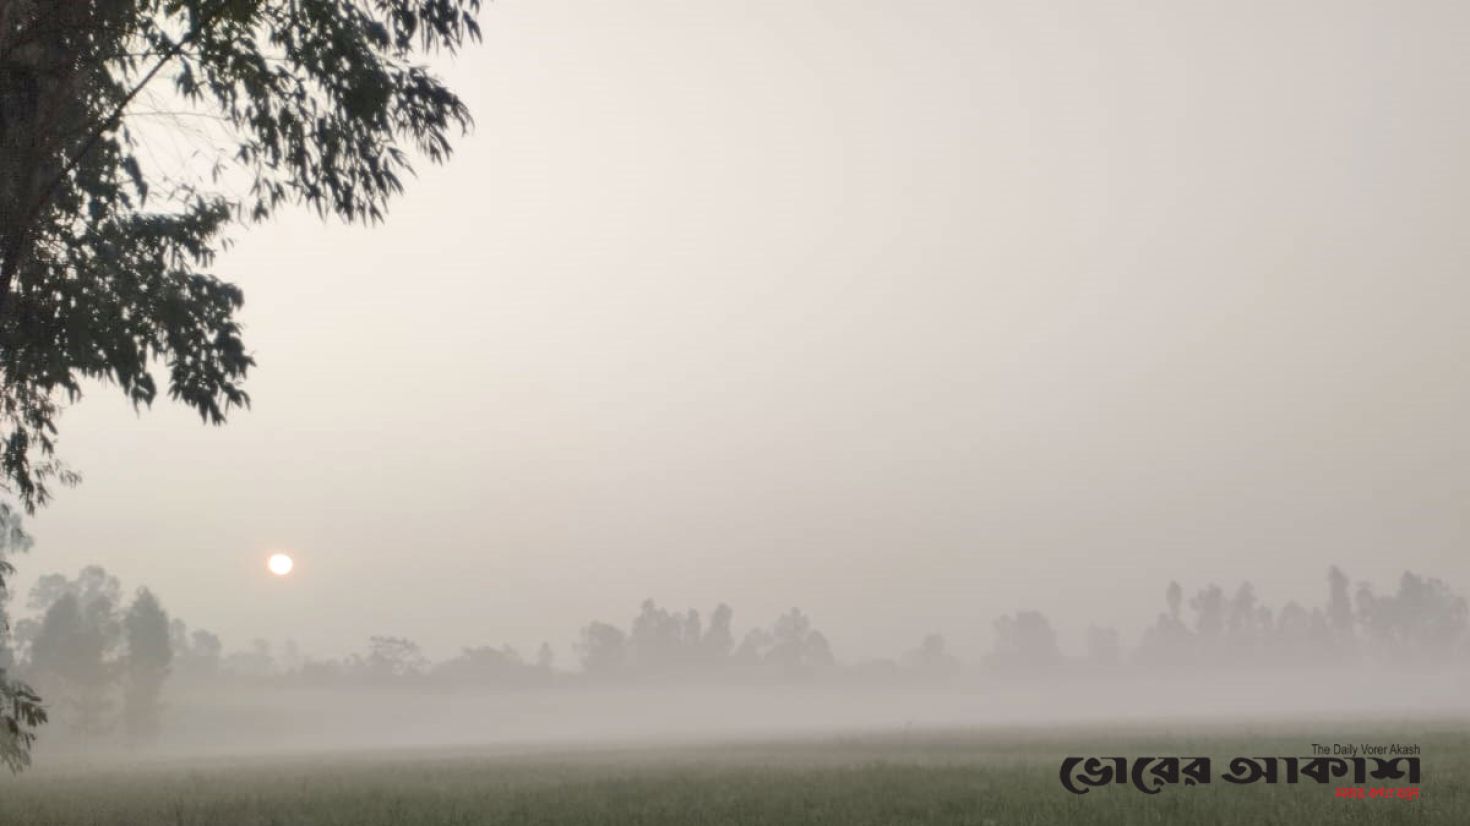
(268, 722)
(125, 681)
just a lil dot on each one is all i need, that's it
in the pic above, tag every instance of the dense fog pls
(771, 368)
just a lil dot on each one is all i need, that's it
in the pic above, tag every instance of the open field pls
(991, 776)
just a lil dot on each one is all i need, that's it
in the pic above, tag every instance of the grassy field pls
(973, 777)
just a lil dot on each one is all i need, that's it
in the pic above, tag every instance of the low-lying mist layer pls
(119, 676)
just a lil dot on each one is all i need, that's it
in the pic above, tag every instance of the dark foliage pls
(21, 712)
(106, 263)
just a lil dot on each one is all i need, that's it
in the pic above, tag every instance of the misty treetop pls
(107, 260)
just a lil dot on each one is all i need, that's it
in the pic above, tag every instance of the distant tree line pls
(102, 659)
(1422, 623)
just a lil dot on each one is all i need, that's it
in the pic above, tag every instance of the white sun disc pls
(280, 564)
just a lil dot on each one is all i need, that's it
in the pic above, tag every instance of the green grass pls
(976, 777)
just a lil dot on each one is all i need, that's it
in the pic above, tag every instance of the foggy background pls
(910, 314)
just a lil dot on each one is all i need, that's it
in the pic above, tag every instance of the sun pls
(280, 564)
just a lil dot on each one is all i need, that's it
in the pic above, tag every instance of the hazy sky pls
(908, 313)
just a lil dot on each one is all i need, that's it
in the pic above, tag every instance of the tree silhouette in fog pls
(662, 642)
(488, 666)
(603, 649)
(392, 658)
(796, 646)
(71, 648)
(1024, 644)
(931, 659)
(1423, 619)
(1339, 605)
(257, 662)
(719, 639)
(1167, 641)
(146, 666)
(195, 656)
